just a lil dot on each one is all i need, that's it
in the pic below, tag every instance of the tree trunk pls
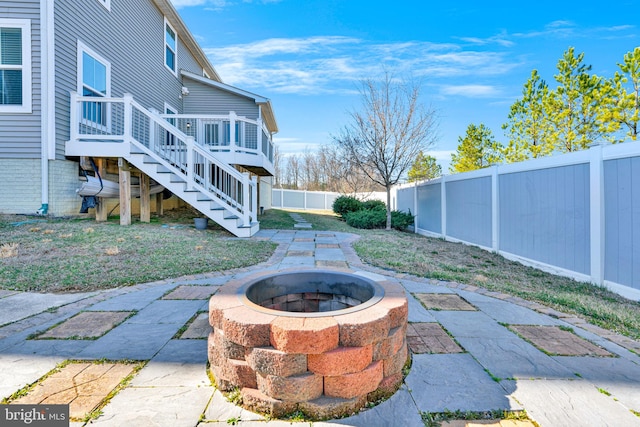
(388, 207)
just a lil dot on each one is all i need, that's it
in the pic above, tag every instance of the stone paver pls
(331, 263)
(81, 385)
(430, 338)
(489, 423)
(24, 304)
(88, 324)
(445, 302)
(513, 358)
(180, 363)
(417, 313)
(559, 342)
(440, 382)
(189, 292)
(300, 253)
(157, 406)
(571, 403)
(199, 328)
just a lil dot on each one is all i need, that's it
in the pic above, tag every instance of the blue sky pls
(472, 57)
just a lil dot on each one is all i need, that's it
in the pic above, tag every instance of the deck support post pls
(124, 173)
(101, 208)
(145, 198)
(159, 205)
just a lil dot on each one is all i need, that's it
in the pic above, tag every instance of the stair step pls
(176, 179)
(163, 169)
(150, 160)
(135, 150)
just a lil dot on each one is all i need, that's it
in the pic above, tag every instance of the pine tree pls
(577, 106)
(478, 149)
(528, 126)
(424, 167)
(626, 104)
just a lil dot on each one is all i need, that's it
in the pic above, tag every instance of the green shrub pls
(367, 218)
(401, 220)
(374, 204)
(345, 204)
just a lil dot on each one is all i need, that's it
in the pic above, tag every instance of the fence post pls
(415, 207)
(596, 213)
(443, 207)
(495, 210)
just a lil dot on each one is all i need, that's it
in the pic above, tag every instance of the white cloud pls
(470, 91)
(501, 39)
(334, 64)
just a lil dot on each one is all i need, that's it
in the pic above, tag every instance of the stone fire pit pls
(321, 342)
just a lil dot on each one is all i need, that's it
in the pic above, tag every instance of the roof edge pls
(261, 101)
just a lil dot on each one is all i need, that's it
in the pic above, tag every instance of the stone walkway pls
(473, 351)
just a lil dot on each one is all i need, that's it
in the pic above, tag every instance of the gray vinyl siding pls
(204, 99)
(430, 207)
(20, 133)
(622, 221)
(544, 216)
(131, 38)
(469, 210)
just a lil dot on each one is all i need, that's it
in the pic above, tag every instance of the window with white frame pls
(94, 80)
(170, 47)
(15, 66)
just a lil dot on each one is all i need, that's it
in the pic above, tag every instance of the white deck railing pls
(226, 133)
(123, 120)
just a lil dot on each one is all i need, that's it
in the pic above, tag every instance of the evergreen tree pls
(528, 127)
(478, 149)
(577, 107)
(626, 104)
(424, 167)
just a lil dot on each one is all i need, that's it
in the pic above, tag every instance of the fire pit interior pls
(322, 342)
(312, 292)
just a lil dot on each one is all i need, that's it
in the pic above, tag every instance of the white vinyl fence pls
(313, 200)
(575, 214)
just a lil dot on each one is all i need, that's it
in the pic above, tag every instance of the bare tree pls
(384, 138)
(278, 167)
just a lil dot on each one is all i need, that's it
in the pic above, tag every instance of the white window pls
(106, 4)
(170, 47)
(94, 80)
(15, 66)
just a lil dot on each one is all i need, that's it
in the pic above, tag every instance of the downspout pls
(47, 88)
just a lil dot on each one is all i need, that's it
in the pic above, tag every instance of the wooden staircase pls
(205, 202)
(168, 156)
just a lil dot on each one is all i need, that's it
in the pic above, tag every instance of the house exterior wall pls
(204, 99)
(20, 189)
(131, 37)
(20, 132)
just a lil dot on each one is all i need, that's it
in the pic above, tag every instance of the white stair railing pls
(123, 120)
